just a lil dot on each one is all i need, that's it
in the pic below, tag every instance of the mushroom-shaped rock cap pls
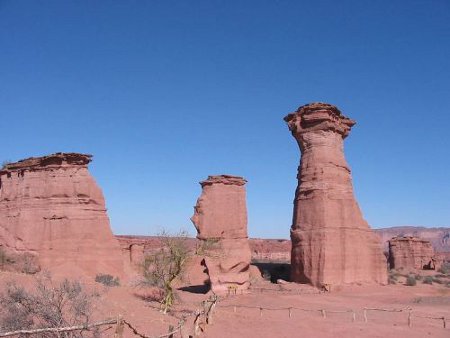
(56, 159)
(318, 116)
(224, 179)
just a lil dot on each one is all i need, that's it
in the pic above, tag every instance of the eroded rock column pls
(331, 242)
(52, 208)
(220, 218)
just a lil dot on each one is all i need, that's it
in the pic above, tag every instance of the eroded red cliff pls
(51, 208)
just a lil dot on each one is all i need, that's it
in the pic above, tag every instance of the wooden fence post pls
(119, 327)
(324, 315)
(353, 316)
(365, 315)
(197, 324)
(170, 330)
(410, 318)
(260, 311)
(290, 312)
(444, 323)
(209, 316)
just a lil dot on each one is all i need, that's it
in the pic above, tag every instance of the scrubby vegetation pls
(107, 280)
(163, 267)
(4, 164)
(46, 305)
(428, 280)
(445, 269)
(4, 259)
(411, 280)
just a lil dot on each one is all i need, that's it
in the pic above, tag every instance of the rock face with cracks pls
(331, 242)
(220, 218)
(412, 253)
(52, 208)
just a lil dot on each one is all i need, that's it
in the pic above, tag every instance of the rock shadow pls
(198, 289)
(274, 270)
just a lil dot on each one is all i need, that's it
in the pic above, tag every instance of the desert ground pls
(241, 315)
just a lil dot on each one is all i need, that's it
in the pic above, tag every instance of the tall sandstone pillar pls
(51, 207)
(220, 218)
(331, 242)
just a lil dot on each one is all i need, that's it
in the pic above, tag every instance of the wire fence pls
(324, 312)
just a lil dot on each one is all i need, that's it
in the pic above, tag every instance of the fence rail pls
(353, 312)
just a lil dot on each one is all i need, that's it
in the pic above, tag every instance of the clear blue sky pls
(165, 93)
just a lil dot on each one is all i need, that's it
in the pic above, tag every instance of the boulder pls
(331, 242)
(220, 218)
(52, 208)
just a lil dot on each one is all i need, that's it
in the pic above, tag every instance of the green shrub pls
(163, 267)
(428, 280)
(411, 280)
(107, 280)
(418, 277)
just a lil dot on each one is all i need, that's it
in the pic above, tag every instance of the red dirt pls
(426, 300)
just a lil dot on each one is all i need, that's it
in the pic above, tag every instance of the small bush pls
(107, 280)
(29, 264)
(48, 304)
(163, 267)
(437, 280)
(4, 258)
(392, 280)
(418, 277)
(428, 280)
(4, 164)
(411, 280)
(445, 268)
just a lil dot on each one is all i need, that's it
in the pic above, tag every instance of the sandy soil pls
(240, 316)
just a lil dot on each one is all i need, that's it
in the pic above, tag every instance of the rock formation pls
(438, 237)
(52, 208)
(331, 242)
(412, 253)
(220, 218)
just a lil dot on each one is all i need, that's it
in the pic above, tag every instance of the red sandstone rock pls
(270, 250)
(331, 242)
(412, 253)
(51, 207)
(221, 221)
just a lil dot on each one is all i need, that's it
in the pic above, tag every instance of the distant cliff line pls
(280, 249)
